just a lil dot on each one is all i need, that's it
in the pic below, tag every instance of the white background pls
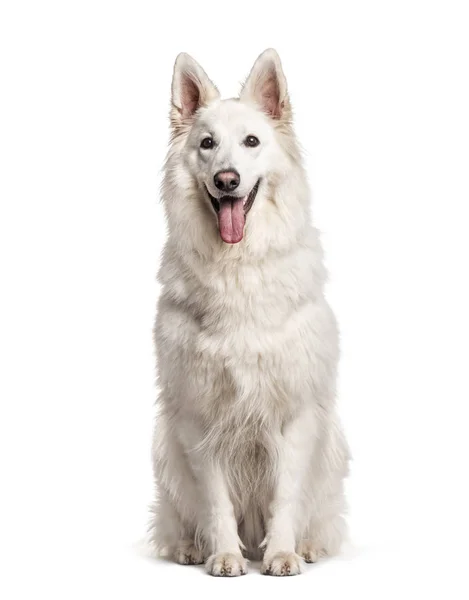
(381, 99)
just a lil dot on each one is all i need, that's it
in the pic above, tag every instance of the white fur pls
(249, 456)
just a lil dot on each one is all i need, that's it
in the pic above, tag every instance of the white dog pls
(249, 456)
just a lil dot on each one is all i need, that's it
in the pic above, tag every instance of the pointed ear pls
(266, 86)
(191, 89)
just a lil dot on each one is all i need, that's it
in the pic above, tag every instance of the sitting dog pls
(249, 456)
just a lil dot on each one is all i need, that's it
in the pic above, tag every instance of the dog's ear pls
(191, 89)
(266, 86)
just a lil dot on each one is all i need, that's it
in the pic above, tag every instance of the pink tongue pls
(231, 220)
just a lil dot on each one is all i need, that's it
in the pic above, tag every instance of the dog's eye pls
(206, 143)
(251, 141)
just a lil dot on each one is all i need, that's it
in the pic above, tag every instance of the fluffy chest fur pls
(249, 336)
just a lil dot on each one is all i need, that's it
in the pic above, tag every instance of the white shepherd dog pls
(249, 456)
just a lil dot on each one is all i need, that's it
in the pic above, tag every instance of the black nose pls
(226, 181)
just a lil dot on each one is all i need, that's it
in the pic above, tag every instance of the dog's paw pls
(282, 564)
(226, 565)
(187, 554)
(310, 551)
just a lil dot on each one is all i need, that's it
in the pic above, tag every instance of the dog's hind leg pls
(187, 553)
(172, 537)
(322, 538)
(175, 512)
(327, 528)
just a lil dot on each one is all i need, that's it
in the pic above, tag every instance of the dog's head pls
(235, 150)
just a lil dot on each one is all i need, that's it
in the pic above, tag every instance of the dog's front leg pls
(294, 446)
(220, 526)
(217, 522)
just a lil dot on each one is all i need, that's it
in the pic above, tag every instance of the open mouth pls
(231, 212)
